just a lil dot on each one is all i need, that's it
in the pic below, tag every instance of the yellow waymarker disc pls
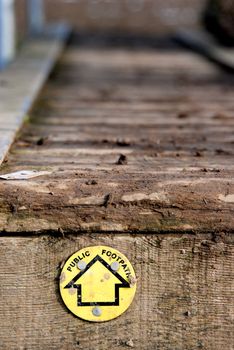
(97, 283)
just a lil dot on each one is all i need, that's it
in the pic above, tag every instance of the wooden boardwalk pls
(133, 143)
(139, 145)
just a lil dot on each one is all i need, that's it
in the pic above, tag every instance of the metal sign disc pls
(97, 283)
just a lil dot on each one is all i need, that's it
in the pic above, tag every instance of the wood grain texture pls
(133, 142)
(184, 296)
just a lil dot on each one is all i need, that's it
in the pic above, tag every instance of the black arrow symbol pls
(72, 284)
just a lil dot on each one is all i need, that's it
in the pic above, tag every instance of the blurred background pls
(102, 22)
(121, 16)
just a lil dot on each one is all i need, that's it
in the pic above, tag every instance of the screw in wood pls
(115, 266)
(97, 311)
(81, 265)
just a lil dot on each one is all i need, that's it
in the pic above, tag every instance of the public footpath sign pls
(97, 283)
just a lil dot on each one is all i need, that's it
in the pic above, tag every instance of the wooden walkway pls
(139, 148)
(133, 143)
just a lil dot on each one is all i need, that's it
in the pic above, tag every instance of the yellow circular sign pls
(97, 283)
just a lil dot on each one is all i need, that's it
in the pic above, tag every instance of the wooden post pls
(35, 16)
(7, 32)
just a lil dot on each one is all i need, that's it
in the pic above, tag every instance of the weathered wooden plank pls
(117, 203)
(184, 295)
(24, 78)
